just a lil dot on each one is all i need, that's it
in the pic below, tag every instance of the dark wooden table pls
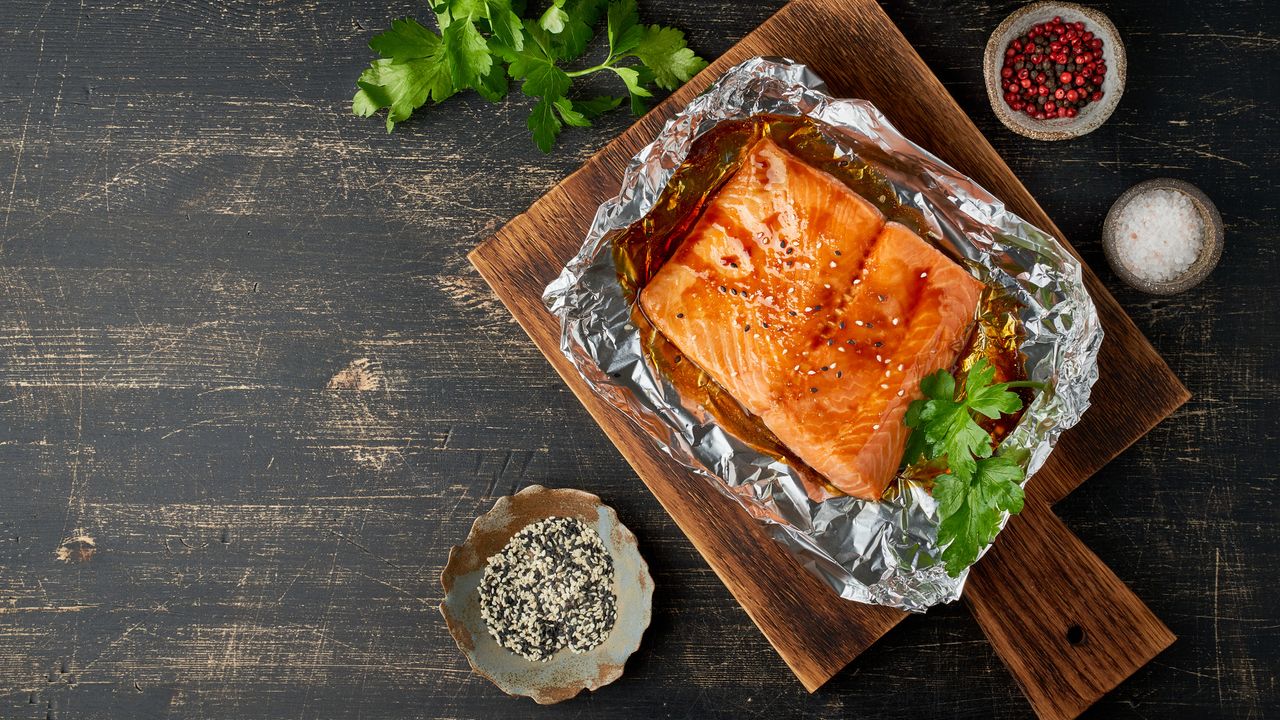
(251, 391)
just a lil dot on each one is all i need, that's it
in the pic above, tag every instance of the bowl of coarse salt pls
(1163, 236)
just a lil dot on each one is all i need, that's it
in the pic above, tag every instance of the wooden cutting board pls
(1065, 626)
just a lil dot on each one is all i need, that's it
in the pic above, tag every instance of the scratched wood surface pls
(250, 390)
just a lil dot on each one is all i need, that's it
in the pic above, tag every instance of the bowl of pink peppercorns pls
(1054, 70)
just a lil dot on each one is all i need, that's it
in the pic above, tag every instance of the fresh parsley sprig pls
(980, 486)
(482, 43)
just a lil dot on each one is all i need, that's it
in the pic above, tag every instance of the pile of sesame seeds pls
(550, 587)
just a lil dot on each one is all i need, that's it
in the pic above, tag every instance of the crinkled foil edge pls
(873, 552)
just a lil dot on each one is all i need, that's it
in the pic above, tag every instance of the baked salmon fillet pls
(794, 294)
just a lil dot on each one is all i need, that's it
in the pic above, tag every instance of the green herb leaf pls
(596, 106)
(663, 50)
(541, 77)
(979, 487)
(990, 400)
(571, 42)
(970, 510)
(544, 124)
(554, 18)
(624, 27)
(467, 53)
(570, 116)
(402, 87)
(482, 43)
(406, 40)
(493, 86)
(631, 78)
(505, 23)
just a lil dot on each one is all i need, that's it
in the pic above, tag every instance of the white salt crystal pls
(1159, 234)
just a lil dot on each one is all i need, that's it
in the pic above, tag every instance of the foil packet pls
(883, 552)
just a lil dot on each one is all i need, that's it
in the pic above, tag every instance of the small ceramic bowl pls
(566, 673)
(1210, 251)
(1093, 114)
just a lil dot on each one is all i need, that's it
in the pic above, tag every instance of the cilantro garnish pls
(482, 43)
(980, 486)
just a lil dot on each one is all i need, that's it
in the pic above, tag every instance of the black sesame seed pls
(837, 253)
(724, 289)
(841, 324)
(813, 390)
(746, 328)
(879, 344)
(679, 315)
(734, 291)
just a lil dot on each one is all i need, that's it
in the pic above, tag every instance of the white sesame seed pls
(876, 426)
(883, 386)
(900, 366)
(924, 274)
(895, 321)
(858, 323)
(833, 263)
(901, 393)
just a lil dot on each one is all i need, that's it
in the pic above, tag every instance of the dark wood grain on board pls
(834, 37)
(243, 354)
(1065, 626)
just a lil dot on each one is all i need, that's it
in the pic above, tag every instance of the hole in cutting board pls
(1075, 634)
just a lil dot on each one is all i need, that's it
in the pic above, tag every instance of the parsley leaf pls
(980, 486)
(413, 69)
(544, 125)
(555, 17)
(596, 106)
(468, 53)
(662, 50)
(970, 510)
(482, 43)
(625, 31)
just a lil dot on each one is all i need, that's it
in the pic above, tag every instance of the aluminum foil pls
(874, 552)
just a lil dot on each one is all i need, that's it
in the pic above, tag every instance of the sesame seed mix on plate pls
(550, 587)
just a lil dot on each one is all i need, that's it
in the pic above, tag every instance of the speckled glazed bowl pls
(1094, 114)
(566, 673)
(1210, 251)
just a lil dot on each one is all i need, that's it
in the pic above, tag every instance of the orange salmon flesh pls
(818, 317)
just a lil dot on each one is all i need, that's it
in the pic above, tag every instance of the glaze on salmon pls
(794, 294)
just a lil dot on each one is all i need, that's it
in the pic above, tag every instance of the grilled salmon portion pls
(794, 294)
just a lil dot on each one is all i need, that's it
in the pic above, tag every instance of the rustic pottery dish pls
(1210, 251)
(566, 673)
(1093, 115)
